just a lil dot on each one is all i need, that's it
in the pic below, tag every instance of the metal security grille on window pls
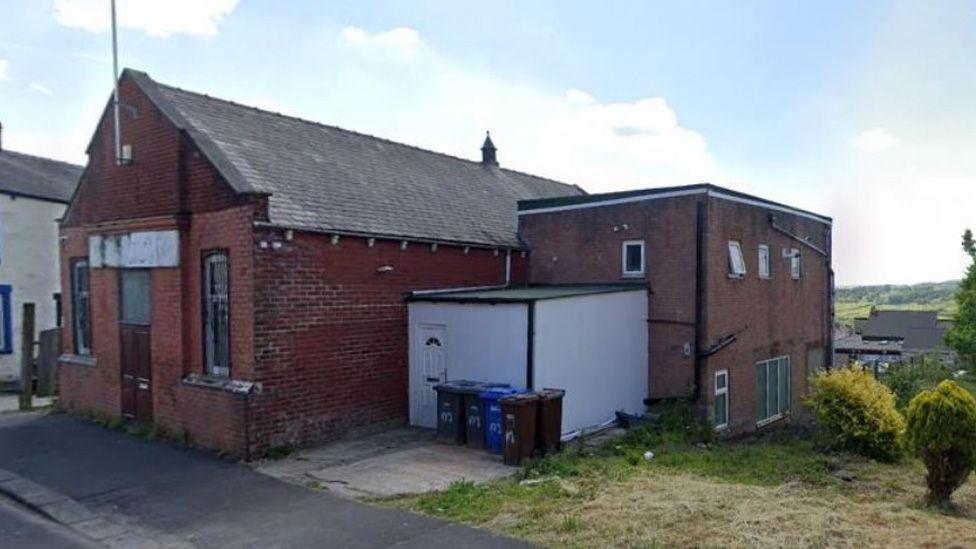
(772, 389)
(81, 307)
(217, 321)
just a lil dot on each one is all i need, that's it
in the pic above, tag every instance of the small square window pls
(795, 263)
(737, 263)
(764, 271)
(633, 258)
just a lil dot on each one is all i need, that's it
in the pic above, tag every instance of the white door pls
(431, 370)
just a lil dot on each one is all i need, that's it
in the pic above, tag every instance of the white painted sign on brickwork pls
(139, 249)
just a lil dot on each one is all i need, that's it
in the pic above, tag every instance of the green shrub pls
(857, 413)
(942, 433)
(909, 378)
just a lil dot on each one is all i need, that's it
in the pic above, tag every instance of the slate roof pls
(328, 179)
(895, 324)
(36, 177)
(854, 344)
(523, 294)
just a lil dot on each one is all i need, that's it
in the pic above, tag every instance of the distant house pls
(889, 336)
(253, 280)
(34, 193)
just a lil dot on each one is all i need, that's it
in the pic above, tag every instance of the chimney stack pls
(488, 157)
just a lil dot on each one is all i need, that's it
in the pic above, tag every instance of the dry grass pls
(603, 501)
(662, 510)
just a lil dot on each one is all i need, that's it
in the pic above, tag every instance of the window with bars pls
(81, 306)
(772, 389)
(216, 324)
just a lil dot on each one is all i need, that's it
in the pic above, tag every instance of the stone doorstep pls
(68, 512)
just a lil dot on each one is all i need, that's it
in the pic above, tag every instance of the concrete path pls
(399, 461)
(152, 494)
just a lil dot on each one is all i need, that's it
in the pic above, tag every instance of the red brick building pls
(238, 277)
(740, 289)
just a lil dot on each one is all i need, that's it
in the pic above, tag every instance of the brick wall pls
(585, 245)
(168, 185)
(770, 318)
(330, 331)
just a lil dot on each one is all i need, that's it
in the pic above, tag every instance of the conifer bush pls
(857, 413)
(941, 431)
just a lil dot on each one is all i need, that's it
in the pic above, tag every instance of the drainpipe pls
(508, 267)
(700, 273)
(829, 359)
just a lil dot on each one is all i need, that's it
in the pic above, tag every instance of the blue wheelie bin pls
(493, 416)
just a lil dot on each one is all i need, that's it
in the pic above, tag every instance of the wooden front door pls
(134, 333)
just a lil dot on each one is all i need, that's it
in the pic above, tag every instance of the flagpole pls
(115, 94)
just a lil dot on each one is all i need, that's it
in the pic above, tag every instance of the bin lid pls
(499, 392)
(549, 393)
(520, 398)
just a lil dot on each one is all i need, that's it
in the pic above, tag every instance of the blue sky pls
(861, 110)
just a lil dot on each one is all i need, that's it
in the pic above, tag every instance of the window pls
(764, 271)
(6, 321)
(794, 263)
(134, 302)
(216, 322)
(737, 263)
(633, 258)
(81, 306)
(721, 399)
(772, 389)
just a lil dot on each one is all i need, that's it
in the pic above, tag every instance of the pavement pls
(20, 528)
(398, 461)
(10, 402)
(121, 491)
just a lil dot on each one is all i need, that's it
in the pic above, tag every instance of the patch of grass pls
(279, 452)
(314, 484)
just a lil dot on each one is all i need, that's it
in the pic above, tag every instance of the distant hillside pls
(856, 301)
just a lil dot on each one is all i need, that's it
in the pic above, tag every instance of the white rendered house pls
(34, 193)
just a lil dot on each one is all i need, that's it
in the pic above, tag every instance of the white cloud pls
(401, 39)
(41, 89)
(154, 17)
(4, 65)
(874, 140)
(438, 103)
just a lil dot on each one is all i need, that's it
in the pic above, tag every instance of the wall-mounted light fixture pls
(370, 242)
(335, 240)
(433, 247)
(289, 235)
(403, 245)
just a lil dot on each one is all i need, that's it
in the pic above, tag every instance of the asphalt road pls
(179, 497)
(21, 528)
